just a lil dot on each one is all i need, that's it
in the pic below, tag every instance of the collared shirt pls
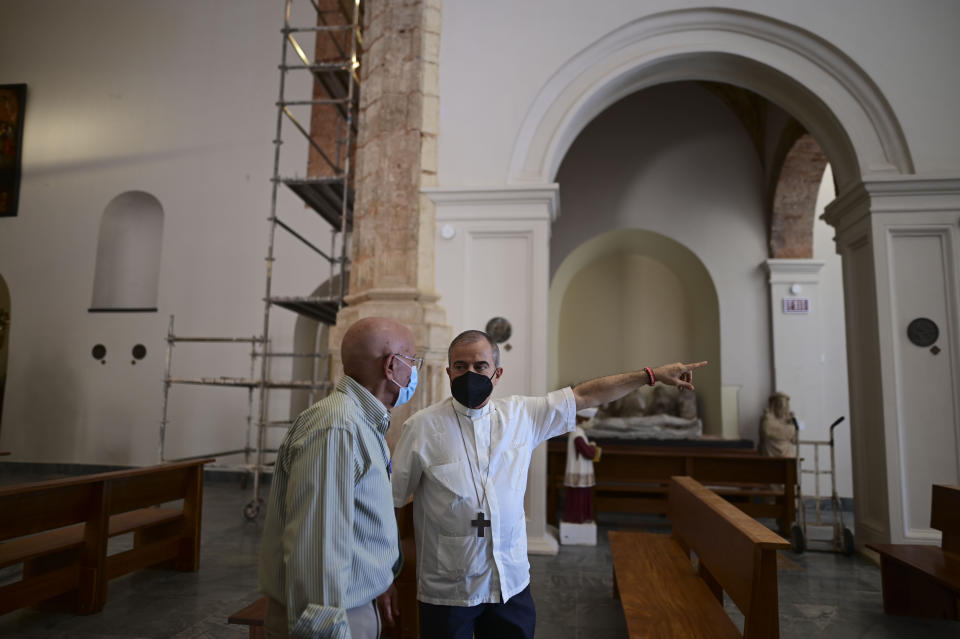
(330, 536)
(446, 456)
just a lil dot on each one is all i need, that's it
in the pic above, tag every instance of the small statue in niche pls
(777, 430)
(629, 405)
(578, 480)
(686, 404)
(664, 401)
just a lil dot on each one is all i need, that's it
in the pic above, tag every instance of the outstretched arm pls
(612, 387)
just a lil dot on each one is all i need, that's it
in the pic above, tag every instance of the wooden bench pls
(407, 625)
(633, 478)
(252, 616)
(924, 581)
(58, 530)
(665, 596)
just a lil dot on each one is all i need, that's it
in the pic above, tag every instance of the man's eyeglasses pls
(417, 361)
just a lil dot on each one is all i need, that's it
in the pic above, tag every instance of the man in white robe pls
(465, 460)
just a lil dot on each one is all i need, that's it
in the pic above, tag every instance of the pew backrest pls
(55, 503)
(945, 515)
(736, 554)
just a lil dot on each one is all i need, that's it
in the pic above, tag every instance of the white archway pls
(845, 112)
(809, 78)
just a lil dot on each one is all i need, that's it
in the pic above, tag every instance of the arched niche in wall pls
(632, 298)
(128, 255)
(5, 316)
(311, 339)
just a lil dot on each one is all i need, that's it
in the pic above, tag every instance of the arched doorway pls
(694, 164)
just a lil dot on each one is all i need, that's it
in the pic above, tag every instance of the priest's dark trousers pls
(514, 619)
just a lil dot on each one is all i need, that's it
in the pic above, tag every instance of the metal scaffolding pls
(327, 192)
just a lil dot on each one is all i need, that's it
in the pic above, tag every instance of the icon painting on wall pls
(12, 106)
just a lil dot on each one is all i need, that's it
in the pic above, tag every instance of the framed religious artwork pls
(13, 99)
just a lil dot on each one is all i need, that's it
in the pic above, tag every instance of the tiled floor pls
(821, 595)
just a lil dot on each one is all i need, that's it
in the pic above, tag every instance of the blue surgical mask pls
(406, 392)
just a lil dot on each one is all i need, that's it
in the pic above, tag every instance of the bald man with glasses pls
(329, 547)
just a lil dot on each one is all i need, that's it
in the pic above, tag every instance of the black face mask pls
(471, 389)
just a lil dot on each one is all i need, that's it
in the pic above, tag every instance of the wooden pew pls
(252, 616)
(924, 581)
(633, 478)
(408, 624)
(61, 527)
(665, 596)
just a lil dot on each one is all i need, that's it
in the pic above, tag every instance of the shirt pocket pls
(460, 556)
(455, 477)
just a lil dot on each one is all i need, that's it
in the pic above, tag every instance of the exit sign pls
(796, 305)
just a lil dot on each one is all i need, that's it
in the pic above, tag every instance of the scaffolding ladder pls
(327, 191)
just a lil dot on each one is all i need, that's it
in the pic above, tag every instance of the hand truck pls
(842, 539)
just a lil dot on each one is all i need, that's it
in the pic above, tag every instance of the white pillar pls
(900, 242)
(492, 260)
(798, 342)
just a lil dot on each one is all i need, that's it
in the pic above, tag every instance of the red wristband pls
(653, 380)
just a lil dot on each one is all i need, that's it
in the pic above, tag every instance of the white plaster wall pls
(496, 55)
(176, 99)
(675, 160)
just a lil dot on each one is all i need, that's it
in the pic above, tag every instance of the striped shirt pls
(330, 536)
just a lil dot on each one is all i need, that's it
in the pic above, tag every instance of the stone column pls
(900, 242)
(391, 273)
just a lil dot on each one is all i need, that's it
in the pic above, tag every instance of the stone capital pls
(515, 202)
(853, 206)
(785, 271)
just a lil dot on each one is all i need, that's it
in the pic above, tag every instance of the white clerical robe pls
(438, 448)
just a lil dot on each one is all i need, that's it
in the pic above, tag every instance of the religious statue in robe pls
(578, 479)
(777, 430)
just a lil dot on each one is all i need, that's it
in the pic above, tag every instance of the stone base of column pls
(544, 543)
(419, 312)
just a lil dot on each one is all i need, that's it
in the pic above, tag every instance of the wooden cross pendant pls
(480, 523)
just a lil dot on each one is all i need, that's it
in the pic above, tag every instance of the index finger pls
(697, 365)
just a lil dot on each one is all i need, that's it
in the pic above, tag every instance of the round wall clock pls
(499, 329)
(923, 332)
